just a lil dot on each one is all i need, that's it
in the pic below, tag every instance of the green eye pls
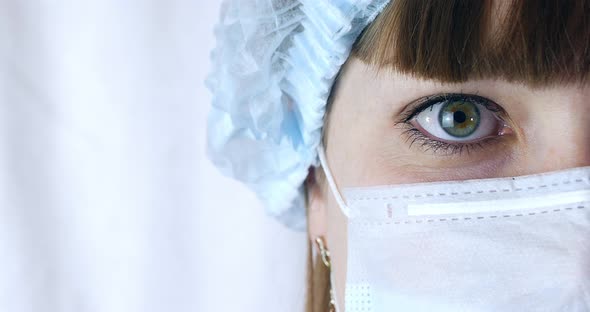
(459, 118)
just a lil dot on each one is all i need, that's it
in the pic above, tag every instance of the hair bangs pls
(535, 42)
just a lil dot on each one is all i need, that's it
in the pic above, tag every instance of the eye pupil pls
(459, 118)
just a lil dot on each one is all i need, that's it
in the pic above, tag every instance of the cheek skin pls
(553, 126)
(398, 164)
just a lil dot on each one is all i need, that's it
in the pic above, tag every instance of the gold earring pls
(325, 254)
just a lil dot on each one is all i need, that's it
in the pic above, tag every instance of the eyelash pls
(428, 144)
(415, 136)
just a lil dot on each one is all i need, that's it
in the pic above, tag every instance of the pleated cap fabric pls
(272, 71)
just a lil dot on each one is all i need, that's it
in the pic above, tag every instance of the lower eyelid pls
(415, 138)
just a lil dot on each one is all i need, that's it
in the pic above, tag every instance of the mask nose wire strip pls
(331, 182)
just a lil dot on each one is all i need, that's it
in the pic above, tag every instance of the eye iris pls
(459, 118)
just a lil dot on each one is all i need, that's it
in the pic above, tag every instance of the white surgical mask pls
(507, 244)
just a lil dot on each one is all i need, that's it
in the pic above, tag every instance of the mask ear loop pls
(343, 207)
(331, 182)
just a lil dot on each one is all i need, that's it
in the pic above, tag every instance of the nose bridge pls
(561, 140)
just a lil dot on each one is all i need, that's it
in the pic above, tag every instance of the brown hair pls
(535, 42)
(530, 41)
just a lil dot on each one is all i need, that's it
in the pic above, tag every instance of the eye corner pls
(419, 105)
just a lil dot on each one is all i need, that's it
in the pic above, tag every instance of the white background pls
(106, 200)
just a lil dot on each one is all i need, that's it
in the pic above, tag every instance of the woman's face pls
(381, 131)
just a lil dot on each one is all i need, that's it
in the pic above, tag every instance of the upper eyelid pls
(421, 104)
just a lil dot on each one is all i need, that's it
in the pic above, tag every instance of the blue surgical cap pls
(273, 68)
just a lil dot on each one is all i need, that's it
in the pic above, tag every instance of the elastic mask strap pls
(331, 183)
(340, 201)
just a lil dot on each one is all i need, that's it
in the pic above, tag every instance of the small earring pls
(325, 254)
